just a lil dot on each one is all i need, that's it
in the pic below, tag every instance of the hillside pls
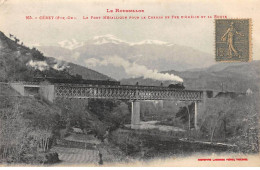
(233, 76)
(18, 62)
(25, 122)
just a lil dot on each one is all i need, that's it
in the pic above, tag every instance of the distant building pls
(249, 92)
(227, 94)
(232, 94)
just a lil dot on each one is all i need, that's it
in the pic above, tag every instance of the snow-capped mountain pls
(154, 42)
(108, 38)
(153, 54)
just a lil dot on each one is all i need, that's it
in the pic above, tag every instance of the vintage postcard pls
(140, 83)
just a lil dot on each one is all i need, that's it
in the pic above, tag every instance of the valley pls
(78, 131)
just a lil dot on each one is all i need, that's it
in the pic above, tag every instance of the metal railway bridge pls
(120, 92)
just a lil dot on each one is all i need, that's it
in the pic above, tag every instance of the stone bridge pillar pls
(47, 91)
(135, 116)
(196, 115)
(199, 108)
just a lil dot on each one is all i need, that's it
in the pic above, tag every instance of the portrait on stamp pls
(233, 40)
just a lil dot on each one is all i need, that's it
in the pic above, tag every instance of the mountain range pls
(18, 62)
(152, 54)
(237, 77)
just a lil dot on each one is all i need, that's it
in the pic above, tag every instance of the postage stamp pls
(233, 40)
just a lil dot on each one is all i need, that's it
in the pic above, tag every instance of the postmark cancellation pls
(233, 40)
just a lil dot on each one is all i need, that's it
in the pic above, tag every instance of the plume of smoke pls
(133, 69)
(42, 65)
(60, 65)
(39, 65)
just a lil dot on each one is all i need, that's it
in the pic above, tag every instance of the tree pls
(186, 114)
(232, 120)
(26, 127)
(13, 132)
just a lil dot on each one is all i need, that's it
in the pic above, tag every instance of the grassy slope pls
(14, 57)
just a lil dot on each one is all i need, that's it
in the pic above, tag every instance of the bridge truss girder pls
(127, 93)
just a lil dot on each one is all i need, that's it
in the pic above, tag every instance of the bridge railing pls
(119, 92)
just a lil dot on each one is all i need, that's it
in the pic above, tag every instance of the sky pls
(195, 33)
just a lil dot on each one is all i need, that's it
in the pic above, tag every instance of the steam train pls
(178, 86)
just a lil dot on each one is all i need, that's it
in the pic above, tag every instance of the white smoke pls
(42, 65)
(133, 69)
(60, 65)
(39, 65)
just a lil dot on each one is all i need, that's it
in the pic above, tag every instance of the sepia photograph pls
(121, 83)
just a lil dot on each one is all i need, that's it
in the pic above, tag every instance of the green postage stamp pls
(233, 40)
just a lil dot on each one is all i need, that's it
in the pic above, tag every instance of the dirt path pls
(76, 156)
(79, 150)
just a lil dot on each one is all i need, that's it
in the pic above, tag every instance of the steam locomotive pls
(177, 86)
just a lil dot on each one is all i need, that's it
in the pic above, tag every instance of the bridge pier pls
(199, 108)
(196, 115)
(135, 115)
(48, 92)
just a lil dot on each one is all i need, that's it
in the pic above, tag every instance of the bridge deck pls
(125, 92)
